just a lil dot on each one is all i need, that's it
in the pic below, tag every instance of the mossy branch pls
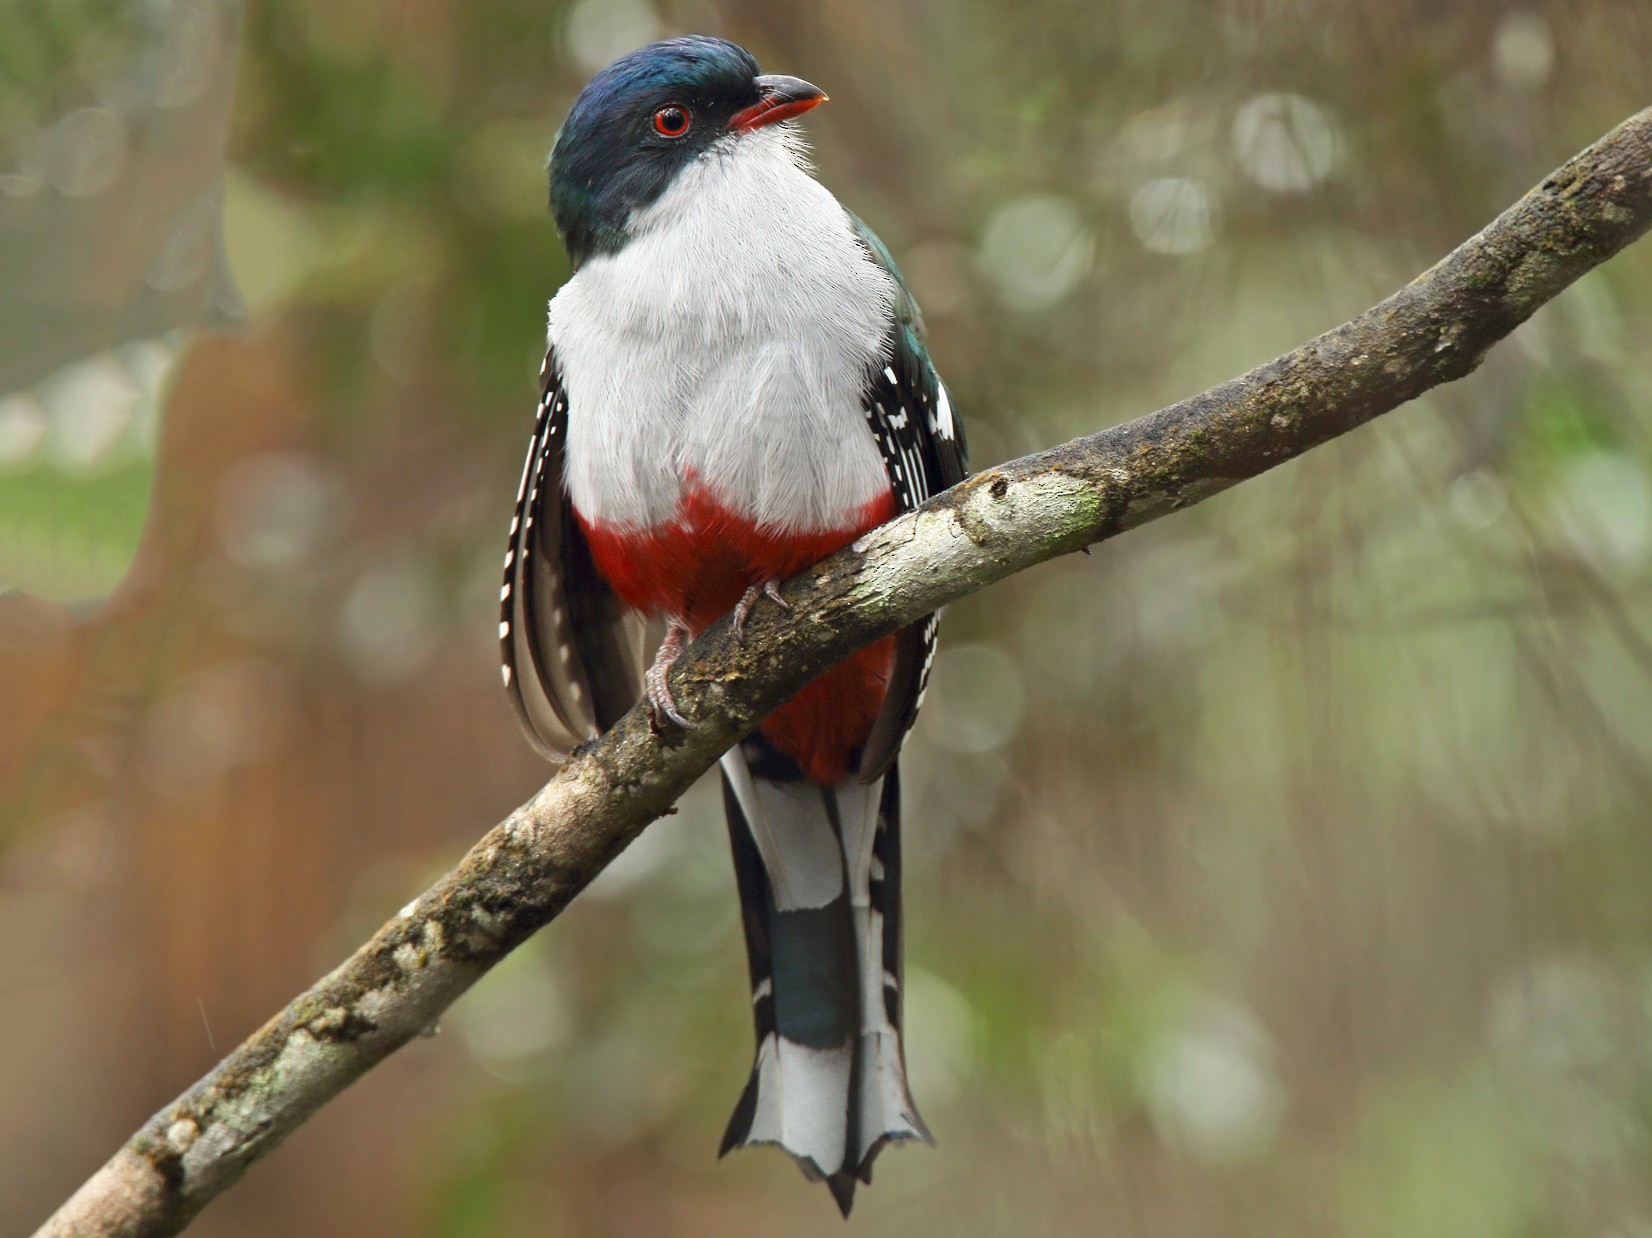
(526, 869)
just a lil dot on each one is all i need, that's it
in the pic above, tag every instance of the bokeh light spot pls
(388, 625)
(278, 509)
(1212, 1087)
(598, 31)
(1284, 142)
(1036, 251)
(90, 406)
(977, 699)
(231, 715)
(512, 1019)
(1173, 215)
(1523, 51)
(88, 151)
(1479, 499)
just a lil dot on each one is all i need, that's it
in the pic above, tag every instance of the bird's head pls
(647, 116)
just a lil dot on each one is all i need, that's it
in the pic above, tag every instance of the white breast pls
(727, 342)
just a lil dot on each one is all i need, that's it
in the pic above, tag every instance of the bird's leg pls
(660, 703)
(743, 608)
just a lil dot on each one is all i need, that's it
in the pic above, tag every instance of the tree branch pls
(526, 869)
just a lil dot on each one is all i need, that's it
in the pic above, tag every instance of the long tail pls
(819, 871)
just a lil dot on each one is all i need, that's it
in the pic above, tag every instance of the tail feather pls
(819, 876)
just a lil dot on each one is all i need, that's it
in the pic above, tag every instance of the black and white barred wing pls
(922, 443)
(572, 655)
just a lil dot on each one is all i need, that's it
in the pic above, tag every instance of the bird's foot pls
(748, 600)
(660, 704)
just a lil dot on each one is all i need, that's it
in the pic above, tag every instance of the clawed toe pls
(660, 702)
(748, 600)
(658, 690)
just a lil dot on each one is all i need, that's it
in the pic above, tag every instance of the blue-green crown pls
(609, 160)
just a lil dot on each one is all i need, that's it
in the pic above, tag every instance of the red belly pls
(696, 568)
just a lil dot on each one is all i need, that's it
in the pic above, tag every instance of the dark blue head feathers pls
(635, 126)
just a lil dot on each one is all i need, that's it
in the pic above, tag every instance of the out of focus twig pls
(527, 869)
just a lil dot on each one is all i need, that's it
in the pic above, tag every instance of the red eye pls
(672, 121)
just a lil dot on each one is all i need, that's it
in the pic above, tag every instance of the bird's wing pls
(572, 653)
(924, 452)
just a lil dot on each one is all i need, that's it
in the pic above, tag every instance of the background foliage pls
(1279, 869)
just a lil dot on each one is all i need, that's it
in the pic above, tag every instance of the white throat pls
(727, 342)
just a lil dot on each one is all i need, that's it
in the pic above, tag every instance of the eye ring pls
(673, 120)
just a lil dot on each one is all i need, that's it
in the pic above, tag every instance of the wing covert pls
(922, 443)
(571, 654)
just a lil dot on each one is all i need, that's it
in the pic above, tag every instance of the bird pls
(736, 384)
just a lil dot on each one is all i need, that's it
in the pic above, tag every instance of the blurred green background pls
(1281, 869)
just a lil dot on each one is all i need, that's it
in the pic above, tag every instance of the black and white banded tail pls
(819, 870)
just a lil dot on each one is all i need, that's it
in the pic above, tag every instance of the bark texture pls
(526, 869)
